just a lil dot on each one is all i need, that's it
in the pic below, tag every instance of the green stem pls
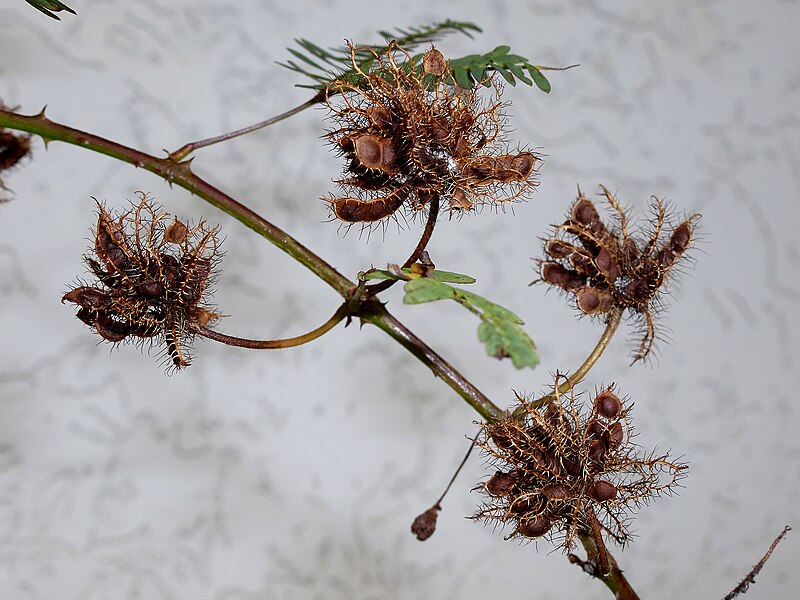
(299, 340)
(581, 372)
(187, 149)
(381, 318)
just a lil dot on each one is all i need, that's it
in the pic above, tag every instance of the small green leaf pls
(419, 291)
(462, 78)
(499, 330)
(539, 79)
(448, 277)
(519, 74)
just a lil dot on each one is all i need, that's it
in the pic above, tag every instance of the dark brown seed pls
(602, 491)
(559, 249)
(607, 265)
(368, 151)
(534, 528)
(501, 484)
(592, 301)
(607, 404)
(555, 491)
(556, 274)
(523, 164)
(681, 238)
(597, 452)
(150, 289)
(584, 212)
(614, 435)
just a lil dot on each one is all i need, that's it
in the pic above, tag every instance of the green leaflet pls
(46, 6)
(323, 66)
(444, 276)
(499, 330)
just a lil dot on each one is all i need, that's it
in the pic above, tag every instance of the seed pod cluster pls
(556, 468)
(153, 275)
(606, 267)
(407, 133)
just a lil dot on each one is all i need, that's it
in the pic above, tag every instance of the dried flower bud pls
(424, 526)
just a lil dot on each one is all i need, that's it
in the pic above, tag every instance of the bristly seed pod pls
(600, 475)
(605, 268)
(153, 279)
(409, 134)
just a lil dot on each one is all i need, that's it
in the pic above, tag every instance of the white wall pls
(297, 474)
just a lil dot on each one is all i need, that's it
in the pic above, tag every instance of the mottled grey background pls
(297, 474)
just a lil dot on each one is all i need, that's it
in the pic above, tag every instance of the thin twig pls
(187, 149)
(430, 224)
(751, 576)
(299, 340)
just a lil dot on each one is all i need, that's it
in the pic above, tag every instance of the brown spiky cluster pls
(607, 267)
(408, 135)
(154, 274)
(13, 148)
(561, 473)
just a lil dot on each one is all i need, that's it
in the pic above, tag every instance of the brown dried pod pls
(602, 491)
(625, 271)
(607, 404)
(567, 279)
(501, 484)
(601, 476)
(153, 281)
(408, 135)
(534, 528)
(592, 301)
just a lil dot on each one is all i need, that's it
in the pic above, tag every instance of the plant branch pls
(299, 340)
(581, 372)
(381, 318)
(187, 149)
(430, 224)
(605, 569)
(179, 173)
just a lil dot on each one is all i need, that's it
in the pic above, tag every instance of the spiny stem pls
(430, 224)
(299, 340)
(187, 149)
